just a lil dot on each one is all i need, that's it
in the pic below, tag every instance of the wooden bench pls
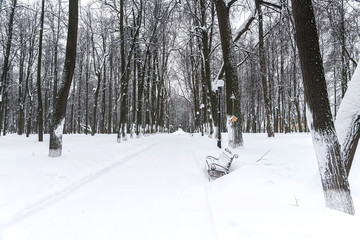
(220, 166)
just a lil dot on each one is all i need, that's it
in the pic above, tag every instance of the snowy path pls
(156, 188)
(149, 195)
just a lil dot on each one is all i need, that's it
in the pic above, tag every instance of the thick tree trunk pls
(348, 121)
(344, 69)
(56, 52)
(211, 105)
(332, 171)
(56, 132)
(232, 81)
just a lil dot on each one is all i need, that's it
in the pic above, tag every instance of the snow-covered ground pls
(156, 187)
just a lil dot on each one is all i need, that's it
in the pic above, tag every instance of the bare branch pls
(262, 157)
(231, 3)
(270, 4)
(245, 26)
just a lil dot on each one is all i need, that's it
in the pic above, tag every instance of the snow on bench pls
(220, 166)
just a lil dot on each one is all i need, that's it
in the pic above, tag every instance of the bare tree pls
(6, 64)
(58, 119)
(231, 75)
(38, 79)
(268, 110)
(332, 171)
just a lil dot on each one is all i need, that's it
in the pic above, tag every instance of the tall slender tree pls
(58, 119)
(263, 73)
(6, 64)
(38, 79)
(231, 75)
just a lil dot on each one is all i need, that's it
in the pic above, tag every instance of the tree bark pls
(348, 121)
(206, 38)
(103, 89)
(332, 171)
(231, 77)
(110, 87)
(6, 67)
(21, 115)
(268, 111)
(40, 117)
(55, 146)
(123, 81)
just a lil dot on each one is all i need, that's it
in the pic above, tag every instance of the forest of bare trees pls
(148, 66)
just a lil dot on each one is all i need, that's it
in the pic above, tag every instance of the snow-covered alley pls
(156, 187)
(157, 192)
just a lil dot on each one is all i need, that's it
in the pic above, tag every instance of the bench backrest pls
(227, 160)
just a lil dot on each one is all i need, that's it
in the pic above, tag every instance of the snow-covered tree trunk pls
(231, 76)
(348, 121)
(58, 118)
(332, 171)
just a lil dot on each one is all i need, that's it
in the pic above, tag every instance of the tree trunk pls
(348, 121)
(6, 67)
(87, 79)
(124, 84)
(134, 88)
(79, 108)
(231, 77)
(40, 117)
(95, 106)
(332, 171)
(109, 130)
(140, 93)
(268, 112)
(55, 145)
(28, 123)
(344, 78)
(4, 110)
(125, 73)
(211, 106)
(22, 94)
(103, 89)
(56, 51)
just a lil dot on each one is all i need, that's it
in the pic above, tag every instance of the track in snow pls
(58, 195)
(160, 194)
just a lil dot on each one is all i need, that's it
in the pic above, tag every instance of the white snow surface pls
(60, 128)
(157, 187)
(349, 108)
